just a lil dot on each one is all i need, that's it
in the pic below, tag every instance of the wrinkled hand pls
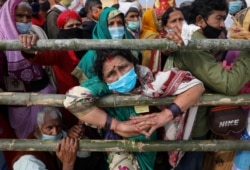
(76, 131)
(128, 128)
(174, 34)
(28, 40)
(159, 119)
(66, 151)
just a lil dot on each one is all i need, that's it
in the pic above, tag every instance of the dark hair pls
(82, 12)
(116, 6)
(186, 11)
(205, 9)
(102, 56)
(91, 3)
(165, 16)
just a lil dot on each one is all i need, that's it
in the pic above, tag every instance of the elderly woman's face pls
(175, 18)
(72, 23)
(51, 126)
(114, 68)
(23, 14)
(116, 22)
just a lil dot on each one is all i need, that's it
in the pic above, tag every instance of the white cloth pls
(75, 3)
(228, 21)
(187, 32)
(124, 6)
(29, 162)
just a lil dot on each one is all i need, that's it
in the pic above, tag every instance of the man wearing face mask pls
(209, 15)
(49, 127)
(132, 17)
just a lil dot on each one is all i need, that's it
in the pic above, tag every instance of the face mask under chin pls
(211, 32)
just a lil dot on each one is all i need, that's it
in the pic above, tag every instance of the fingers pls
(58, 147)
(76, 131)
(28, 40)
(175, 35)
(143, 117)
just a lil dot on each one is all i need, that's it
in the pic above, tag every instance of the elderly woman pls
(18, 74)
(118, 73)
(111, 25)
(69, 24)
(152, 29)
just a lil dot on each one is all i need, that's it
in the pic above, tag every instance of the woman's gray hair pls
(25, 3)
(52, 112)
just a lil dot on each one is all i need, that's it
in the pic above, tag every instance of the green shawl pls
(98, 89)
(101, 31)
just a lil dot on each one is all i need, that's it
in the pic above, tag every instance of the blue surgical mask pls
(23, 28)
(117, 32)
(133, 25)
(235, 6)
(125, 83)
(52, 137)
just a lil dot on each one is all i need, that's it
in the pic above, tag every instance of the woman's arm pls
(180, 104)
(99, 118)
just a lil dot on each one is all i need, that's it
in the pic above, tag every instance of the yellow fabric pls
(150, 30)
(243, 17)
(241, 26)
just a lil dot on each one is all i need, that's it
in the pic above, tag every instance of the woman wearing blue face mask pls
(15, 17)
(131, 11)
(117, 72)
(49, 127)
(111, 25)
(235, 6)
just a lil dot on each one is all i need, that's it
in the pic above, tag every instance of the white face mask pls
(23, 28)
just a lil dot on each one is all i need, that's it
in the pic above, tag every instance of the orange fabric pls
(218, 108)
(150, 30)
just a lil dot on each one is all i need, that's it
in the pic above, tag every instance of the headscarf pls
(150, 30)
(18, 66)
(85, 67)
(101, 30)
(162, 5)
(241, 26)
(125, 6)
(65, 16)
(150, 25)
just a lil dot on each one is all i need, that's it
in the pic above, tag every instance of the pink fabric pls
(228, 64)
(23, 119)
(18, 67)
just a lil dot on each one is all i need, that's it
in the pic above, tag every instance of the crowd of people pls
(85, 76)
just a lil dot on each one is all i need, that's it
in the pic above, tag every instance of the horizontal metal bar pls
(29, 99)
(136, 44)
(126, 145)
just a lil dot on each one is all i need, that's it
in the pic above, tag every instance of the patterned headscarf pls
(162, 5)
(241, 26)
